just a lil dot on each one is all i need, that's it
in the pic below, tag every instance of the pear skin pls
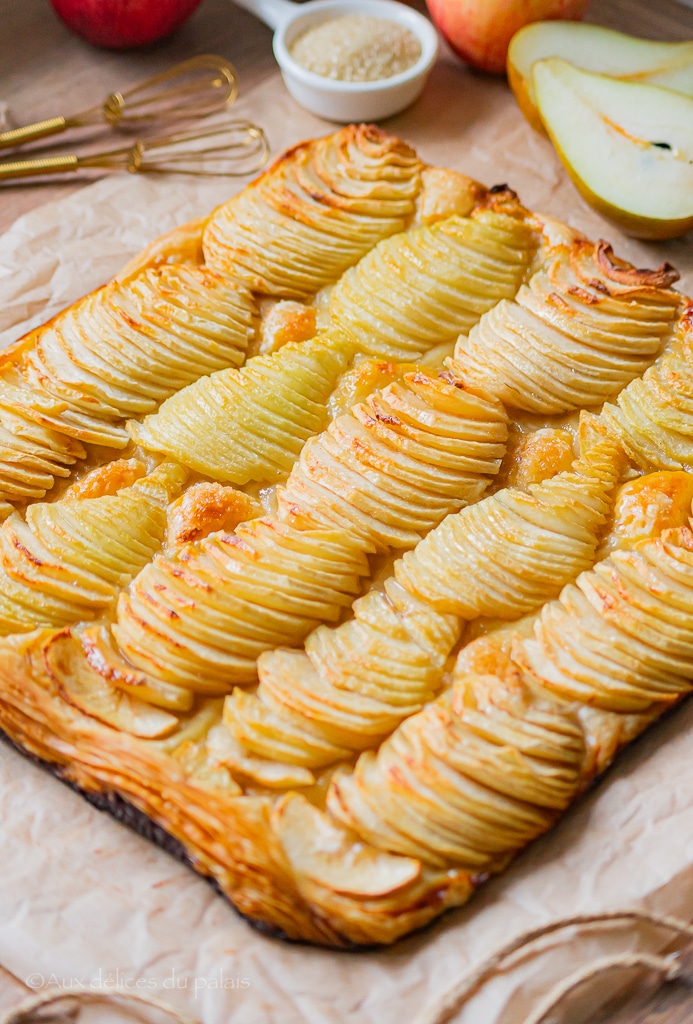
(627, 146)
(594, 48)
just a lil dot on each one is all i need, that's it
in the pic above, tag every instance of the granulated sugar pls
(357, 48)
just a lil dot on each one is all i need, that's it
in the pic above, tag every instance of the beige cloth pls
(85, 901)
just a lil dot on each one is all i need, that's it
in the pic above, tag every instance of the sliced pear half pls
(628, 147)
(593, 48)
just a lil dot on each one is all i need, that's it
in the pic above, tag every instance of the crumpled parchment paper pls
(86, 903)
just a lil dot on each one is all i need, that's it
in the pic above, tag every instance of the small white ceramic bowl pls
(328, 97)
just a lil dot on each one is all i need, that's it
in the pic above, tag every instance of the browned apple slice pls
(334, 857)
(224, 750)
(84, 689)
(104, 659)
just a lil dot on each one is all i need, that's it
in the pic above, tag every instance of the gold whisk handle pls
(39, 165)
(38, 130)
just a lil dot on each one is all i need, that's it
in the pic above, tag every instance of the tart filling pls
(347, 533)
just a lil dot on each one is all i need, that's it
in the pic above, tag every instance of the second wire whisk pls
(228, 149)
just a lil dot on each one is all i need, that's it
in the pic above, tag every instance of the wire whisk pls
(195, 88)
(229, 149)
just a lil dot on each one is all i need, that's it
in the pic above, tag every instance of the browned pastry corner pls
(346, 535)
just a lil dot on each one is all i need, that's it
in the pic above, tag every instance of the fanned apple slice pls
(224, 751)
(594, 48)
(627, 147)
(334, 857)
(79, 685)
(109, 665)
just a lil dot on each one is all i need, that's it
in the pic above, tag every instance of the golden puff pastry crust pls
(345, 534)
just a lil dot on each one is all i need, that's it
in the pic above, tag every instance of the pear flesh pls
(628, 147)
(602, 50)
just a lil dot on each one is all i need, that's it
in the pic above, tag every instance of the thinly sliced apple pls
(224, 750)
(628, 147)
(334, 857)
(106, 661)
(78, 684)
(593, 48)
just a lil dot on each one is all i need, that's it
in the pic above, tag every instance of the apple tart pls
(347, 534)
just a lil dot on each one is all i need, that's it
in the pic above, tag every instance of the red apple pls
(120, 24)
(479, 31)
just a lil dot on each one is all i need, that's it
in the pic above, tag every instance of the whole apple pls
(479, 31)
(121, 24)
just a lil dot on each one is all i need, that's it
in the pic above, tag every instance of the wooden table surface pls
(44, 70)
